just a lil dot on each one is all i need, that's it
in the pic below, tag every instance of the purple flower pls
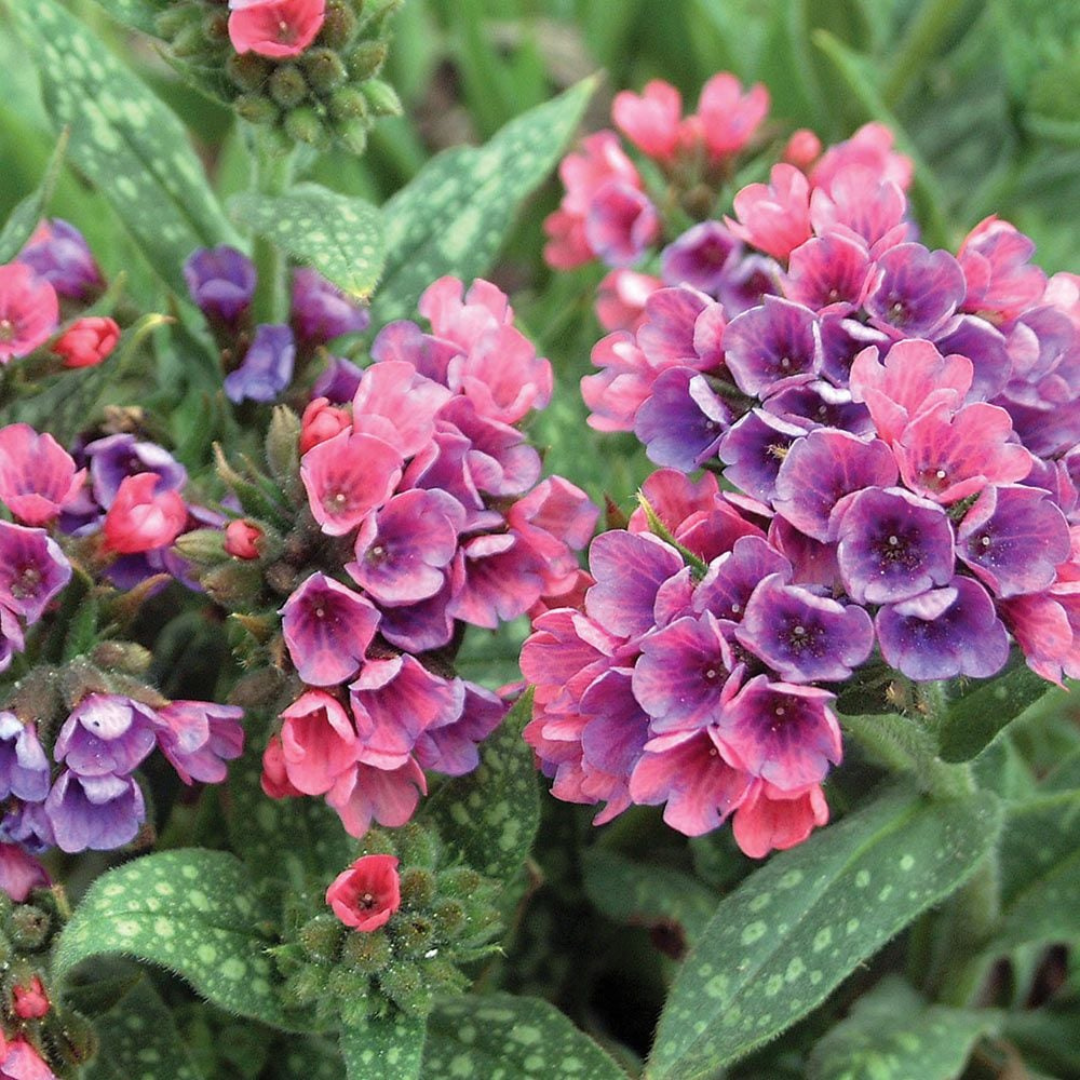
(732, 578)
(769, 347)
(26, 823)
(913, 292)
(339, 382)
(682, 421)
(753, 450)
(106, 734)
(96, 812)
(827, 272)
(944, 633)
(820, 404)
(321, 311)
(221, 282)
(267, 367)
(700, 257)
(33, 570)
(452, 748)
(24, 768)
(748, 282)
(621, 223)
(327, 629)
(842, 340)
(198, 737)
(58, 253)
(629, 569)
(615, 731)
(804, 637)
(985, 346)
(893, 546)
(116, 457)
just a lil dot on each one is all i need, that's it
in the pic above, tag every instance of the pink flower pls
(275, 780)
(774, 218)
(198, 737)
(318, 742)
(22, 1062)
(28, 311)
(321, 421)
(769, 819)
(368, 793)
(141, 519)
(87, 342)
(276, 28)
(398, 405)
(37, 475)
(30, 1002)
(729, 117)
(20, 873)
(650, 120)
(1000, 279)
(621, 223)
(621, 296)
(802, 149)
(1063, 292)
(242, 539)
(870, 147)
(367, 894)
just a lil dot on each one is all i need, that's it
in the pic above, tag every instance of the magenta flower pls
(870, 147)
(621, 296)
(1000, 279)
(623, 383)
(769, 819)
(106, 734)
(327, 629)
(502, 577)
(628, 570)
(33, 570)
(37, 476)
(621, 224)
(729, 117)
(24, 768)
(198, 737)
(366, 894)
(58, 253)
(731, 579)
(318, 742)
(913, 292)
(275, 28)
(321, 311)
(29, 311)
(753, 450)
(348, 476)
(20, 873)
(772, 346)
(498, 460)
(97, 812)
(827, 274)
(862, 206)
(683, 421)
(701, 257)
(367, 794)
(142, 517)
(650, 120)
(453, 748)
(394, 402)
(774, 218)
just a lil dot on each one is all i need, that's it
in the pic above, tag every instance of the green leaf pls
(491, 815)
(644, 894)
(975, 720)
(190, 911)
(453, 217)
(24, 218)
(798, 926)
(391, 1049)
(339, 236)
(518, 1037)
(139, 1040)
(310, 1058)
(138, 14)
(124, 140)
(893, 1034)
(895, 741)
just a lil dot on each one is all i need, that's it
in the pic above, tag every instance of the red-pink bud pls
(368, 893)
(321, 421)
(87, 342)
(802, 149)
(274, 780)
(141, 519)
(31, 1002)
(242, 538)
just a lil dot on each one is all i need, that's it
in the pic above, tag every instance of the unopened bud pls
(348, 103)
(367, 59)
(304, 126)
(29, 1000)
(215, 26)
(321, 937)
(75, 1042)
(418, 845)
(122, 656)
(323, 69)
(87, 342)
(338, 26)
(461, 881)
(382, 98)
(367, 953)
(417, 887)
(235, 586)
(30, 927)
(247, 71)
(242, 539)
(204, 547)
(352, 134)
(287, 86)
(256, 109)
(282, 454)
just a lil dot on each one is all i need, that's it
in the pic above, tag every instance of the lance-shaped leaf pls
(797, 927)
(492, 814)
(392, 1048)
(502, 1035)
(193, 912)
(339, 236)
(893, 1034)
(139, 1040)
(126, 141)
(138, 14)
(23, 219)
(454, 215)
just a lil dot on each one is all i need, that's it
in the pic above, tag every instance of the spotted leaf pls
(138, 14)
(391, 1048)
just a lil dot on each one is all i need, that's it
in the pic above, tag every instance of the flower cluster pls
(261, 361)
(417, 508)
(305, 69)
(403, 917)
(42, 292)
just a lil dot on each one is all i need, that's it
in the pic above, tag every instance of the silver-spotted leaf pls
(139, 1040)
(138, 14)
(454, 215)
(501, 1037)
(24, 218)
(491, 815)
(338, 235)
(797, 927)
(193, 912)
(391, 1049)
(894, 1034)
(126, 141)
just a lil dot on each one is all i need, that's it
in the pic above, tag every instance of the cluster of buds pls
(44, 296)
(261, 362)
(402, 919)
(306, 69)
(901, 425)
(393, 519)
(40, 1039)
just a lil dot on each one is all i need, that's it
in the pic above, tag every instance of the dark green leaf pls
(512, 1037)
(193, 912)
(455, 214)
(24, 218)
(893, 1034)
(890, 739)
(339, 236)
(492, 814)
(391, 1049)
(125, 140)
(308, 1058)
(1048, 1038)
(797, 927)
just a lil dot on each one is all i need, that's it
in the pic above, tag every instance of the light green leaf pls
(391, 1049)
(893, 1034)
(452, 218)
(518, 1037)
(138, 14)
(491, 815)
(339, 236)
(24, 218)
(124, 140)
(644, 894)
(191, 911)
(139, 1040)
(797, 927)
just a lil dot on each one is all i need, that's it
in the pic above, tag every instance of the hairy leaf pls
(392, 1049)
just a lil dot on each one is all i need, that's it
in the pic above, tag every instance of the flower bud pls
(215, 26)
(323, 69)
(382, 98)
(30, 927)
(321, 421)
(418, 845)
(417, 887)
(338, 26)
(352, 134)
(87, 342)
(413, 936)
(449, 919)
(461, 881)
(366, 953)
(122, 656)
(247, 71)
(76, 1042)
(140, 518)
(242, 539)
(321, 937)
(287, 86)
(405, 983)
(204, 547)
(29, 1000)
(304, 126)
(305, 986)
(282, 453)
(234, 585)
(348, 103)
(256, 109)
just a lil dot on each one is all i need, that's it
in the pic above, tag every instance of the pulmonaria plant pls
(405, 514)
(900, 425)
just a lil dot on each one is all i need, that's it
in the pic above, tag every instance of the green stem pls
(976, 910)
(272, 174)
(922, 38)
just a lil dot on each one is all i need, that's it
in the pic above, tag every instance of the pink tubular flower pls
(242, 539)
(776, 217)
(729, 118)
(769, 819)
(621, 296)
(140, 518)
(275, 780)
(1000, 280)
(87, 342)
(318, 742)
(321, 421)
(870, 147)
(650, 120)
(367, 894)
(37, 475)
(368, 793)
(276, 28)
(28, 311)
